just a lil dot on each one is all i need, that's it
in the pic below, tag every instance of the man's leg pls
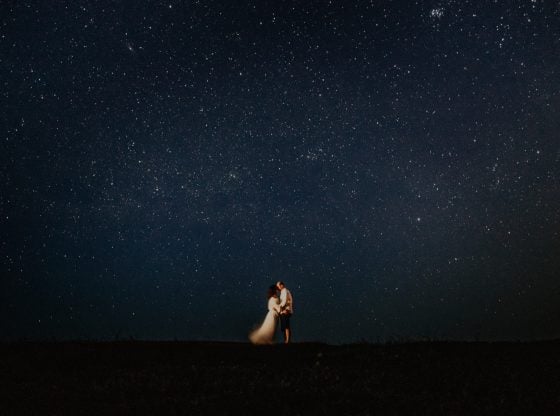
(284, 325)
(287, 330)
(287, 336)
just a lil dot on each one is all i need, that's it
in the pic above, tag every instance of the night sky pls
(396, 163)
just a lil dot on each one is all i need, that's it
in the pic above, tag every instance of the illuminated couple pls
(280, 308)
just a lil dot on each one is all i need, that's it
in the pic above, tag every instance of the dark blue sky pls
(395, 163)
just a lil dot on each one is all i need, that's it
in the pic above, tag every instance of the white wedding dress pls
(265, 333)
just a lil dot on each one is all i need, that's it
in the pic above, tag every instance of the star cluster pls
(396, 163)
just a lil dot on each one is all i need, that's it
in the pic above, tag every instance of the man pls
(286, 310)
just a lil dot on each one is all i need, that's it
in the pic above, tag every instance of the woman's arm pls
(273, 305)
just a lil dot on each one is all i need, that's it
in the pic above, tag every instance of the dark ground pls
(141, 378)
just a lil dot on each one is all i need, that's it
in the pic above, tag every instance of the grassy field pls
(141, 378)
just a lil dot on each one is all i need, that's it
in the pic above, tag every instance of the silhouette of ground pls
(175, 378)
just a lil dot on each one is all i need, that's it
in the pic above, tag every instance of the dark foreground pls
(141, 378)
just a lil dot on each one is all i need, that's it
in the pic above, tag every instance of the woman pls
(265, 333)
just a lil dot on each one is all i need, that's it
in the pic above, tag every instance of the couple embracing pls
(280, 307)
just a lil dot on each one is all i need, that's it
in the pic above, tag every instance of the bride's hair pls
(271, 291)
